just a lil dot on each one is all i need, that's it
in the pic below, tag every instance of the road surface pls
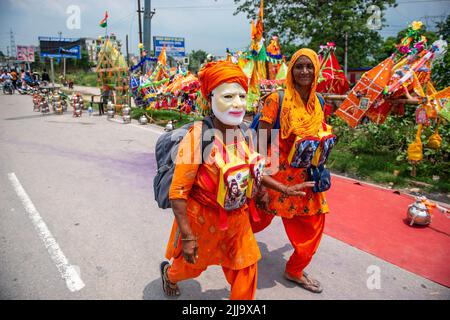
(78, 221)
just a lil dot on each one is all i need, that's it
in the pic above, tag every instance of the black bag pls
(321, 177)
(166, 150)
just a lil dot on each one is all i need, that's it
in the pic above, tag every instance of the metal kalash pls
(77, 104)
(420, 212)
(143, 120)
(37, 101)
(43, 103)
(126, 114)
(59, 103)
(111, 110)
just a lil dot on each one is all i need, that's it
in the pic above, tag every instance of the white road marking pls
(115, 120)
(139, 126)
(148, 129)
(67, 271)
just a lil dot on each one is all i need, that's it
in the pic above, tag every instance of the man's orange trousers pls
(243, 282)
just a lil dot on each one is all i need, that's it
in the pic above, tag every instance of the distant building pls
(134, 58)
(90, 45)
(354, 74)
(93, 46)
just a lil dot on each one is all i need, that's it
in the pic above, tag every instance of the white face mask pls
(229, 103)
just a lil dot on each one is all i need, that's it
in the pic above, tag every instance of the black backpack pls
(166, 150)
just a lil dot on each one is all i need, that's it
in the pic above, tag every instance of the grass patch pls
(82, 78)
(384, 168)
(162, 117)
(374, 152)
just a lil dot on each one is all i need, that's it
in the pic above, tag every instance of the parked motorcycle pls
(8, 87)
(25, 90)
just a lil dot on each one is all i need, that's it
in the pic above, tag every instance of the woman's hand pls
(262, 198)
(296, 190)
(189, 250)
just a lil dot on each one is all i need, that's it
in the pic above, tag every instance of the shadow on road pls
(270, 273)
(190, 290)
(415, 226)
(34, 116)
(271, 267)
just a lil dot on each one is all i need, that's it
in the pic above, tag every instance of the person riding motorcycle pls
(6, 80)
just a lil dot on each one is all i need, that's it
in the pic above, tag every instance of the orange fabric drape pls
(296, 118)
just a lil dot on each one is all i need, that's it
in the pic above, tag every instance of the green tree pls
(440, 72)
(314, 22)
(196, 58)
(388, 47)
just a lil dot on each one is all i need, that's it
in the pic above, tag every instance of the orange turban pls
(213, 74)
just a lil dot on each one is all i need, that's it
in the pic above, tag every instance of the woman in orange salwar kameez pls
(301, 115)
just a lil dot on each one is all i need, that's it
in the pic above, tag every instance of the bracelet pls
(188, 239)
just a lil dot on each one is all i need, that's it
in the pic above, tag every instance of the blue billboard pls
(54, 47)
(174, 46)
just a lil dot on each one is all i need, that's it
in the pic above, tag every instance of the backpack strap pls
(321, 100)
(245, 132)
(207, 124)
(280, 105)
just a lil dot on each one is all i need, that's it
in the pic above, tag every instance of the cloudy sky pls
(205, 24)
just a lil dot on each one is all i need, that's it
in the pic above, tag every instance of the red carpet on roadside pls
(373, 219)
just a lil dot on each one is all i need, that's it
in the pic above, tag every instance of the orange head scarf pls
(213, 74)
(296, 118)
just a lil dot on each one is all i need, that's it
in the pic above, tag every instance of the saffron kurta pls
(234, 248)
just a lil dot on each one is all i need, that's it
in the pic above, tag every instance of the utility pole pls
(12, 44)
(52, 71)
(64, 59)
(140, 23)
(148, 15)
(128, 55)
(140, 32)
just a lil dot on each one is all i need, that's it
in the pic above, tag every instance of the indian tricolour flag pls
(104, 22)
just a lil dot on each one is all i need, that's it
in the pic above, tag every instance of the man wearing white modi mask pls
(212, 201)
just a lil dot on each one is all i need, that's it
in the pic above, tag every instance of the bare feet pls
(306, 282)
(169, 288)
